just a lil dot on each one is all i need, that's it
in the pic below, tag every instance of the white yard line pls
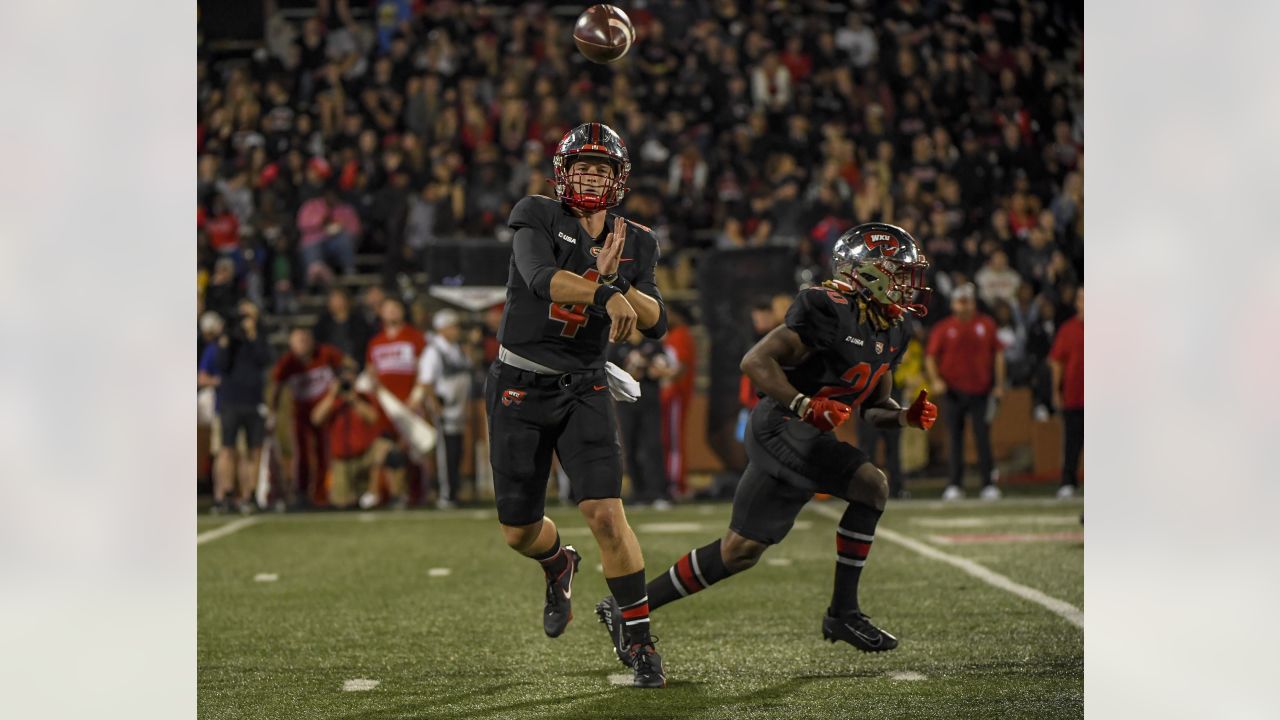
(225, 530)
(1064, 610)
(360, 685)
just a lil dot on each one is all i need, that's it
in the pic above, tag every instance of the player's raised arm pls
(536, 264)
(651, 315)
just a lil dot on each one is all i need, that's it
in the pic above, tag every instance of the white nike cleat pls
(1066, 492)
(953, 492)
(368, 501)
(991, 492)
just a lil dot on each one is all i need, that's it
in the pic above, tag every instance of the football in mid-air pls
(603, 33)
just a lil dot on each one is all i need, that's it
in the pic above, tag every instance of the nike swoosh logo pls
(599, 387)
(873, 643)
(827, 414)
(893, 349)
(622, 260)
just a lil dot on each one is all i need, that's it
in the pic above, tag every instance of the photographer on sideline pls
(243, 360)
(350, 418)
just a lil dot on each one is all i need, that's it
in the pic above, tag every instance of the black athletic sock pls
(555, 560)
(628, 590)
(696, 571)
(854, 536)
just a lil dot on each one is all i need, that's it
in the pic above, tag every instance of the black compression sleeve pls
(534, 260)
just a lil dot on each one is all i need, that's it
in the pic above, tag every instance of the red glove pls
(826, 414)
(922, 413)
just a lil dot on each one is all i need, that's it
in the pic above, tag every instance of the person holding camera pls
(349, 418)
(308, 370)
(243, 360)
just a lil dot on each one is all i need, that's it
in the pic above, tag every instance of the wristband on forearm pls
(617, 281)
(604, 293)
(799, 404)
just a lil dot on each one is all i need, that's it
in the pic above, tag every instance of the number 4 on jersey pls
(573, 316)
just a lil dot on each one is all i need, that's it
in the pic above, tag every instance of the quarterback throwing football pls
(580, 276)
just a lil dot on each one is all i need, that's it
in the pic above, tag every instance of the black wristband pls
(622, 284)
(603, 293)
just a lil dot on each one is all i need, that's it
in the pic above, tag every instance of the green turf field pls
(355, 598)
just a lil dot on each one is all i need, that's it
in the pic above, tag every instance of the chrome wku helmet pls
(595, 139)
(883, 264)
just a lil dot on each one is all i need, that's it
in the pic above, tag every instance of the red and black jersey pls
(549, 238)
(848, 359)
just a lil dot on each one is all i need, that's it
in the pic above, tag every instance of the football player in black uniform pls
(579, 277)
(836, 351)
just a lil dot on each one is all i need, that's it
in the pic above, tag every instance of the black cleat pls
(857, 630)
(559, 608)
(610, 615)
(647, 663)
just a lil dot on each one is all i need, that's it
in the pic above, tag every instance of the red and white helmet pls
(592, 139)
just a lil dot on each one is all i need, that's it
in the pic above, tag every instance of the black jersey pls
(848, 359)
(566, 337)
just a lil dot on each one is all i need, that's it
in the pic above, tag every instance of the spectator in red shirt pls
(308, 369)
(392, 360)
(965, 363)
(222, 227)
(349, 418)
(676, 395)
(1066, 362)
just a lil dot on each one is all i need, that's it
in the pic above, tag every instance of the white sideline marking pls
(670, 527)
(367, 516)
(906, 675)
(802, 525)
(706, 510)
(225, 530)
(777, 562)
(360, 685)
(1064, 610)
(973, 522)
(438, 572)
(622, 679)
(266, 577)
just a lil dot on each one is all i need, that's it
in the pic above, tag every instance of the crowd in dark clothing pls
(384, 126)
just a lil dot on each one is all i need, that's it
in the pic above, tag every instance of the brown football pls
(603, 33)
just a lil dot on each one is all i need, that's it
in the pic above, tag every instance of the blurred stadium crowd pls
(359, 134)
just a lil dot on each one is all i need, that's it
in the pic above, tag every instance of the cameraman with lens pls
(243, 360)
(350, 417)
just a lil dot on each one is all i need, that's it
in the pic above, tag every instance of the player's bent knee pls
(605, 518)
(520, 537)
(870, 486)
(739, 553)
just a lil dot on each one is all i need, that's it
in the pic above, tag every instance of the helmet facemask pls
(896, 288)
(584, 190)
